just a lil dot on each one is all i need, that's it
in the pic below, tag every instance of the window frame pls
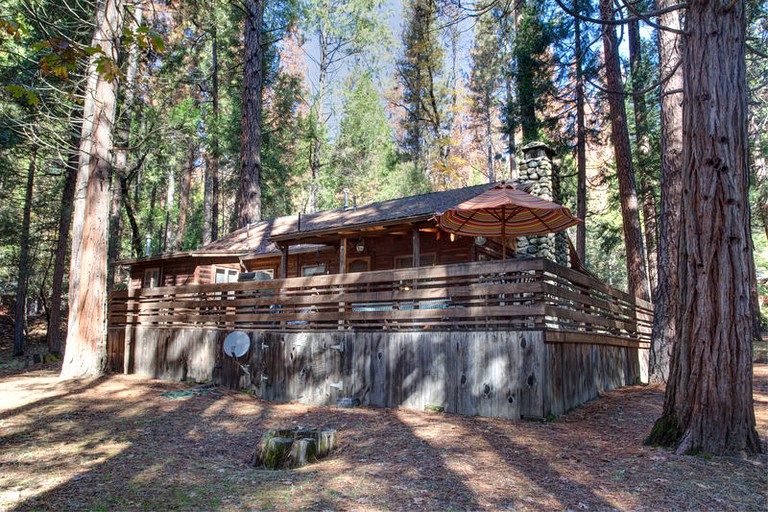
(315, 265)
(151, 272)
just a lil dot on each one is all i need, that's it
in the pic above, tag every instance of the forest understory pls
(115, 443)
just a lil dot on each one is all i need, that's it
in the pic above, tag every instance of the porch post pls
(416, 247)
(283, 261)
(342, 255)
(342, 268)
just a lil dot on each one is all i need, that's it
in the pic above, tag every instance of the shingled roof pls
(259, 238)
(393, 211)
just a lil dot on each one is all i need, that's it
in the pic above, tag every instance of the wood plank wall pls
(492, 374)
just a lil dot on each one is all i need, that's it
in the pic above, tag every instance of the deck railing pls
(499, 295)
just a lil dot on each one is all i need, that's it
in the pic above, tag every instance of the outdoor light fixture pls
(360, 246)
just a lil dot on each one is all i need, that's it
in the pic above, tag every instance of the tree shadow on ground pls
(121, 447)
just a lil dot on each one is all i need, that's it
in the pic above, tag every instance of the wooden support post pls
(283, 261)
(130, 318)
(416, 247)
(343, 256)
(342, 270)
(416, 252)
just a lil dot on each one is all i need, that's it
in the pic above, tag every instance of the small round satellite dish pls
(236, 344)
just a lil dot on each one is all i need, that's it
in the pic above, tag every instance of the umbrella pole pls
(503, 246)
(503, 233)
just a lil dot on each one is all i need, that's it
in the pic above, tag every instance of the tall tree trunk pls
(65, 221)
(317, 113)
(510, 128)
(138, 250)
(23, 276)
(253, 84)
(211, 176)
(85, 353)
(186, 184)
(708, 405)
(581, 146)
(665, 302)
(643, 145)
(633, 238)
(120, 165)
(489, 137)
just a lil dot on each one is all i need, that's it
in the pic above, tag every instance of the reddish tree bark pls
(633, 238)
(708, 405)
(250, 148)
(581, 146)
(665, 304)
(643, 146)
(85, 353)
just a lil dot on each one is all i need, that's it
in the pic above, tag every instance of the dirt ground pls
(114, 443)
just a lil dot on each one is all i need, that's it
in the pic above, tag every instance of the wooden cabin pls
(371, 305)
(394, 234)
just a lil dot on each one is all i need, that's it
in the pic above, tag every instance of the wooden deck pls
(513, 294)
(514, 339)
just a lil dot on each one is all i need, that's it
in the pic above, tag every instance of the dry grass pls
(114, 443)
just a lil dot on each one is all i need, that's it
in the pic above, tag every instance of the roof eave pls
(298, 235)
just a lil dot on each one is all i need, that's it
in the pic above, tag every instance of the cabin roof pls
(259, 238)
(392, 211)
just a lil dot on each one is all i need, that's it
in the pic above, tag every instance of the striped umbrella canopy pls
(505, 211)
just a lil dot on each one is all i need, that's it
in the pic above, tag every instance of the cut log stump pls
(293, 448)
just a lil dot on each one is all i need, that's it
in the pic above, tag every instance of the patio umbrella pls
(505, 211)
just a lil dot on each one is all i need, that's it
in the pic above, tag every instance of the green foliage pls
(364, 150)
(534, 68)
(424, 94)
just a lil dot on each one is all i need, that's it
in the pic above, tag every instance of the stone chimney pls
(538, 169)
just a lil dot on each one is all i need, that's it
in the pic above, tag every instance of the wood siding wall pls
(492, 374)
(381, 252)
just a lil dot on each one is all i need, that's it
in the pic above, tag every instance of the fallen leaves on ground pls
(115, 443)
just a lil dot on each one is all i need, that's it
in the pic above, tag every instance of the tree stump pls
(293, 448)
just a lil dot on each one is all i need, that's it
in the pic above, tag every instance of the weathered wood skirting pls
(485, 373)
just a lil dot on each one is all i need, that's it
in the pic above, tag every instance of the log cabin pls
(395, 234)
(371, 305)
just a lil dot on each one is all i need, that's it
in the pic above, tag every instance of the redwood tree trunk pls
(643, 144)
(665, 304)
(708, 404)
(250, 148)
(581, 146)
(85, 353)
(23, 276)
(65, 221)
(633, 238)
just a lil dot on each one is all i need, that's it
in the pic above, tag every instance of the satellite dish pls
(236, 344)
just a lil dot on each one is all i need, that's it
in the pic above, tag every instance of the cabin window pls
(313, 270)
(151, 278)
(362, 264)
(425, 260)
(225, 275)
(259, 274)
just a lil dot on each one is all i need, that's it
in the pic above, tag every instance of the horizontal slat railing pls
(514, 295)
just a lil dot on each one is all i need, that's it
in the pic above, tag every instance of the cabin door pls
(359, 264)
